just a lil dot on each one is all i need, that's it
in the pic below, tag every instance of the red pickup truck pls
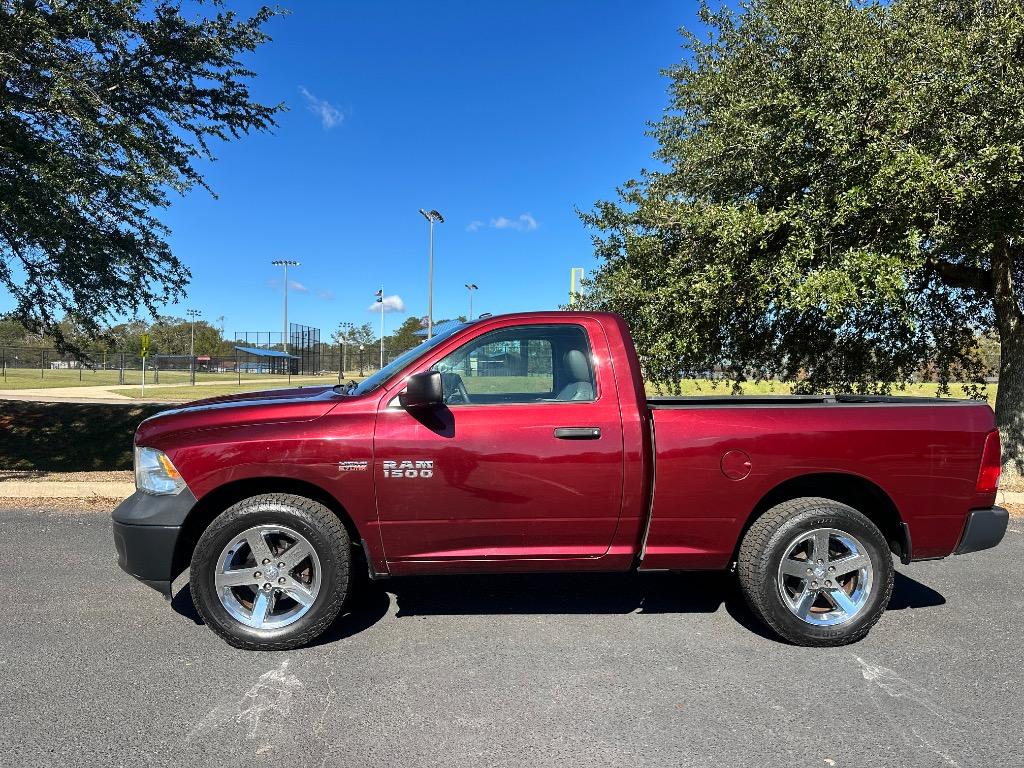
(527, 442)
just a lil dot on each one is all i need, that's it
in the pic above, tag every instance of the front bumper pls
(984, 529)
(146, 532)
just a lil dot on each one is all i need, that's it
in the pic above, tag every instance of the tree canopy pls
(838, 201)
(404, 336)
(106, 109)
(354, 334)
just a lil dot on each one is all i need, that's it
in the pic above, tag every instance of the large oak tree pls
(106, 109)
(839, 201)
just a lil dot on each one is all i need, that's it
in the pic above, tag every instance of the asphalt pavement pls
(567, 670)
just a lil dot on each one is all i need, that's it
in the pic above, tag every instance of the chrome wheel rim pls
(825, 577)
(268, 577)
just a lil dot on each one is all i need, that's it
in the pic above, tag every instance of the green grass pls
(490, 385)
(186, 393)
(72, 437)
(68, 437)
(495, 384)
(28, 378)
(708, 387)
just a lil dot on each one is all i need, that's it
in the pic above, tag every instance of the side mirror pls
(422, 390)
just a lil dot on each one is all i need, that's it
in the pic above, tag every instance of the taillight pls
(991, 461)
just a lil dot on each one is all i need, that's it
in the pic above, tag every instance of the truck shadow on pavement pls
(597, 593)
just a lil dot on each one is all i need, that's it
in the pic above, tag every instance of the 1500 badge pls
(408, 469)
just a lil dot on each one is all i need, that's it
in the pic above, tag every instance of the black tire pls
(760, 559)
(322, 529)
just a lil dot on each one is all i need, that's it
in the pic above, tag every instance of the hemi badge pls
(352, 466)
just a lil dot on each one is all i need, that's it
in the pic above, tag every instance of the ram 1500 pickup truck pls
(527, 442)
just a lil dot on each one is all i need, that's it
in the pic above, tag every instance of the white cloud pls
(390, 304)
(330, 116)
(524, 222)
(295, 285)
(326, 295)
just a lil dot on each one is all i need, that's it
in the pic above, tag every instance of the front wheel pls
(271, 572)
(816, 571)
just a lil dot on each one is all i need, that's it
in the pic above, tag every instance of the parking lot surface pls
(568, 670)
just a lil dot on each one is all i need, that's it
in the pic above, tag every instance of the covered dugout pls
(256, 360)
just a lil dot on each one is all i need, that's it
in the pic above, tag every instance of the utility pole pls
(431, 216)
(284, 336)
(470, 287)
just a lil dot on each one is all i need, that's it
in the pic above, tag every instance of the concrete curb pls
(52, 489)
(1010, 497)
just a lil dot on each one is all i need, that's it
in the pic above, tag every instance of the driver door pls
(523, 462)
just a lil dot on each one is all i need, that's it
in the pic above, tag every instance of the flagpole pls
(382, 326)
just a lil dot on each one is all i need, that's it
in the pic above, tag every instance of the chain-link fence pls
(29, 367)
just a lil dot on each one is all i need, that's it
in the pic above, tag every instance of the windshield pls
(400, 362)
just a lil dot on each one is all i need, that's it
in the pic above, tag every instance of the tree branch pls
(961, 276)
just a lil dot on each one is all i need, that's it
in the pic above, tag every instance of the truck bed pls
(718, 458)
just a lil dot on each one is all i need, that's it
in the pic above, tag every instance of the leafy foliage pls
(405, 337)
(173, 336)
(106, 107)
(839, 201)
(359, 334)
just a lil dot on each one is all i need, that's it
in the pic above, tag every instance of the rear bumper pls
(146, 531)
(984, 529)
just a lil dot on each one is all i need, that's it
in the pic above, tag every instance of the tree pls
(126, 337)
(840, 202)
(12, 333)
(173, 336)
(359, 334)
(405, 337)
(106, 106)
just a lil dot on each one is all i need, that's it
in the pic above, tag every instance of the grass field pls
(708, 387)
(226, 384)
(68, 437)
(188, 392)
(28, 378)
(71, 437)
(491, 384)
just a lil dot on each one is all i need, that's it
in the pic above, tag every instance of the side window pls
(523, 364)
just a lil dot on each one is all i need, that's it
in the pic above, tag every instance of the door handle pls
(578, 433)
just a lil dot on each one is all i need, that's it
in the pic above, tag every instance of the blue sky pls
(502, 116)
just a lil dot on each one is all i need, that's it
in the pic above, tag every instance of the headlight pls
(154, 473)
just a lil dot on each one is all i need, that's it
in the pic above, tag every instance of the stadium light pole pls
(431, 216)
(573, 292)
(343, 330)
(193, 314)
(471, 287)
(284, 337)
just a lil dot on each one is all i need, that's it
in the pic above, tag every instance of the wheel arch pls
(855, 491)
(219, 499)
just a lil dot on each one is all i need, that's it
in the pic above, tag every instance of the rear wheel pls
(816, 571)
(271, 572)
